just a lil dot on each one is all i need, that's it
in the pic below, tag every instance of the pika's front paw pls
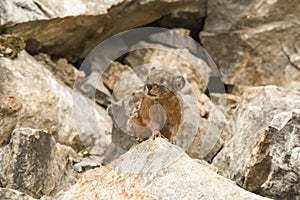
(156, 134)
(173, 139)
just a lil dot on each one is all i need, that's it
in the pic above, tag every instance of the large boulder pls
(156, 169)
(262, 154)
(81, 25)
(35, 164)
(254, 42)
(30, 96)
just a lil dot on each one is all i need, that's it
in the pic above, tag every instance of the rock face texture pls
(82, 24)
(179, 60)
(35, 164)
(72, 74)
(248, 38)
(263, 153)
(154, 170)
(38, 101)
(11, 194)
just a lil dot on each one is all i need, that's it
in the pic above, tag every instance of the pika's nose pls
(149, 86)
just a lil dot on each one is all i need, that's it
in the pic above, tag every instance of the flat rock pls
(156, 169)
(262, 154)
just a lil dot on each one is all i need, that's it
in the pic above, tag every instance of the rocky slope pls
(70, 80)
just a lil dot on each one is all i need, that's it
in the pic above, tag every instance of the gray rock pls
(284, 158)
(35, 164)
(262, 153)
(156, 169)
(254, 42)
(82, 24)
(31, 97)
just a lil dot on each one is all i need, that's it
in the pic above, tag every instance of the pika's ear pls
(178, 82)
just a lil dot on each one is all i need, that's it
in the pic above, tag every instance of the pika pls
(161, 109)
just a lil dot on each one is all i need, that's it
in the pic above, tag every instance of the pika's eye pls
(161, 80)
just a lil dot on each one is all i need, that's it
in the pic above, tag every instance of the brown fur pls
(161, 107)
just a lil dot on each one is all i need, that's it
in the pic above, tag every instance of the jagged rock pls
(6, 193)
(263, 152)
(31, 97)
(156, 169)
(254, 42)
(35, 164)
(81, 25)
(227, 104)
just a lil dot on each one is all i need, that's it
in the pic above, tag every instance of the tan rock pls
(32, 97)
(156, 169)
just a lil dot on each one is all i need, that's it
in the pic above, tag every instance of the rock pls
(207, 142)
(82, 24)
(35, 164)
(284, 152)
(262, 153)
(225, 102)
(123, 136)
(11, 45)
(32, 97)
(6, 193)
(156, 169)
(254, 42)
(61, 69)
(121, 80)
(113, 73)
(93, 88)
(191, 21)
(178, 60)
